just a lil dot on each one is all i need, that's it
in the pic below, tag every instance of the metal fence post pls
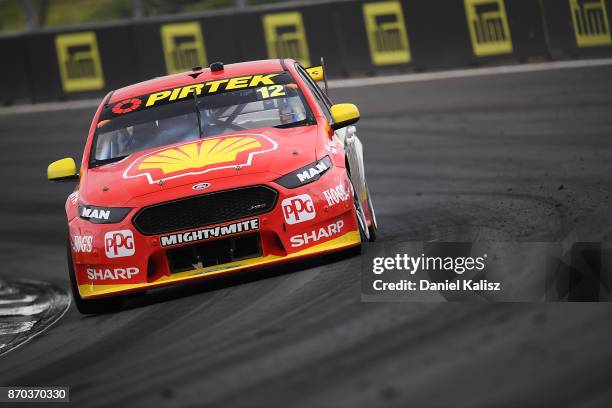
(137, 10)
(28, 12)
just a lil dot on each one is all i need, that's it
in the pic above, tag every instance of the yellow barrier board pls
(286, 36)
(183, 46)
(488, 25)
(591, 24)
(387, 37)
(79, 62)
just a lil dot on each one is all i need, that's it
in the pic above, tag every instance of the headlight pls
(306, 174)
(102, 215)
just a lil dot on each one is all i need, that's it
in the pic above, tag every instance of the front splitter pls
(350, 239)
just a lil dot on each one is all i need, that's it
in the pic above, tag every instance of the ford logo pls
(200, 186)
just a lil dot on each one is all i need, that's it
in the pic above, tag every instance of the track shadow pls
(217, 282)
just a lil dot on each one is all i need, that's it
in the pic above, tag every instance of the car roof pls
(185, 78)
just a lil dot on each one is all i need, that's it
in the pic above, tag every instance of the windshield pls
(171, 116)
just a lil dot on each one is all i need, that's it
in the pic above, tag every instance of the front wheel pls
(361, 217)
(373, 228)
(91, 306)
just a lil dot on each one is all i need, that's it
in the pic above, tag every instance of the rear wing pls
(317, 73)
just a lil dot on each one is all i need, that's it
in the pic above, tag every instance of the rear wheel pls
(89, 306)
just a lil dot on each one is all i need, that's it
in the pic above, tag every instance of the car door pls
(346, 136)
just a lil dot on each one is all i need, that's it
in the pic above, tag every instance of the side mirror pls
(63, 170)
(343, 115)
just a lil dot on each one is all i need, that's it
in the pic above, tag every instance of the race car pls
(208, 172)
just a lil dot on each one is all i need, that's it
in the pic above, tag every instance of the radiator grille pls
(206, 209)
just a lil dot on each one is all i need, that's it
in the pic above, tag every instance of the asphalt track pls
(524, 156)
(27, 309)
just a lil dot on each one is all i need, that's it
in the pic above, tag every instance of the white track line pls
(354, 82)
(466, 73)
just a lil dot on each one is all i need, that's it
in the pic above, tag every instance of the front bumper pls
(122, 260)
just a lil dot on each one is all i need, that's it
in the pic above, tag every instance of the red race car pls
(212, 171)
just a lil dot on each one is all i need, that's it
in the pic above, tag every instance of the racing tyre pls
(93, 306)
(361, 218)
(373, 228)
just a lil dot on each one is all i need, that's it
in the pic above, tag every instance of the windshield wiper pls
(303, 122)
(197, 112)
(102, 162)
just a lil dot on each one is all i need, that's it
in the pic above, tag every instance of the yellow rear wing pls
(317, 73)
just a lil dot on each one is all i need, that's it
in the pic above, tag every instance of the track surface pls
(515, 157)
(27, 309)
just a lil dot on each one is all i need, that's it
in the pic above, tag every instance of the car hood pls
(267, 153)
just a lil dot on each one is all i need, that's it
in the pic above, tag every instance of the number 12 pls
(271, 91)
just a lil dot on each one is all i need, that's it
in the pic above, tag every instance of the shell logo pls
(200, 157)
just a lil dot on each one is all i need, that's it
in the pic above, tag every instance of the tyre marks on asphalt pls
(472, 216)
(27, 308)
